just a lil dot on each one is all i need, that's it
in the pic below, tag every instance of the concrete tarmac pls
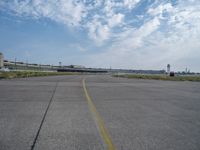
(138, 114)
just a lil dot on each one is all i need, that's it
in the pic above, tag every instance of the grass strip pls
(25, 74)
(160, 77)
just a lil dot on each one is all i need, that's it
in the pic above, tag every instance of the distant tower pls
(168, 68)
(1, 60)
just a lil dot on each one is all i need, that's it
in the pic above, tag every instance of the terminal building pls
(18, 65)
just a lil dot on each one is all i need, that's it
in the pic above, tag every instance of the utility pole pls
(27, 64)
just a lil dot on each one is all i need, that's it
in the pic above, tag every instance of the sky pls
(125, 34)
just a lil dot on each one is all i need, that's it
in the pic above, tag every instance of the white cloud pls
(130, 3)
(101, 25)
(163, 8)
(68, 12)
(134, 38)
(74, 13)
(156, 43)
(98, 32)
(116, 19)
(165, 33)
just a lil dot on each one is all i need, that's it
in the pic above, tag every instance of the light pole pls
(60, 64)
(27, 64)
(15, 63)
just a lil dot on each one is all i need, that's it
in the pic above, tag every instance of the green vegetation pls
(160, 77)
(25, 74)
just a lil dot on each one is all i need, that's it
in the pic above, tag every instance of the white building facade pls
(1, 60)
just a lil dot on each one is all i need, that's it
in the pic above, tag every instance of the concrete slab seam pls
(43, 119)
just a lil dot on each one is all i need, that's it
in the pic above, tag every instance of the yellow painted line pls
(102, 129)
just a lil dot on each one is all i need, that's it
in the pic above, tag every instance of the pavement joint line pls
(43, 119)
(100, 123)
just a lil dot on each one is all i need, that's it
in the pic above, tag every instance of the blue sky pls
(131, 34)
